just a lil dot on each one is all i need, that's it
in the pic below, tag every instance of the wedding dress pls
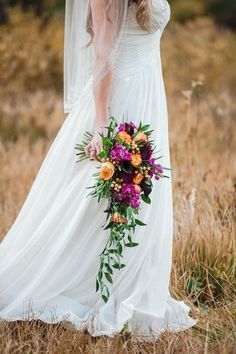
(49, 258)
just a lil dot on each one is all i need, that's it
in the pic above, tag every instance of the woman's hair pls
(143, 16)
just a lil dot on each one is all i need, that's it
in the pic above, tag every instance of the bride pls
(49, 258)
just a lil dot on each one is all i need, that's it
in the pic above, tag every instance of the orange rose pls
(138, 178)
(125, 137)
(136, 160)
(141, 137)
(117, 217)
(107, 170)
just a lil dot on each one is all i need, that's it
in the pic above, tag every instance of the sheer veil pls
(81, 48)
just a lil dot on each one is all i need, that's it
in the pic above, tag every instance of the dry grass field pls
(198, 63)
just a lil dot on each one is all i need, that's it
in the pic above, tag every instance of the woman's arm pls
(103, 36)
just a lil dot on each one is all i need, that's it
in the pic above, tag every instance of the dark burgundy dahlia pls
(146, 186)
(146, 151)
(126, 172)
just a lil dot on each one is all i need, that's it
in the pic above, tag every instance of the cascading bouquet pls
(125, 177)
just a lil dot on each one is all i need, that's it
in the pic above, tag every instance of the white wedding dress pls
(49, 258)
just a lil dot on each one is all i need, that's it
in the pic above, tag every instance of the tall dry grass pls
(198, 65)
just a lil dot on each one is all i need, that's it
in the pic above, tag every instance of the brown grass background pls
(198, 64)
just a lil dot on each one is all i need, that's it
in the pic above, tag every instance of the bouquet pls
(124, 178)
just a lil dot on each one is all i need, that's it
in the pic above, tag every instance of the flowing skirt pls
(49, 258)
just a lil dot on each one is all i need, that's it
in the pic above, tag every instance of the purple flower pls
(122, 127)
(119, 197)
(159, 168)
(156, 169)
(130, 195)
(128, 188)
(133, 125)
(120, 153)
(151, 172)
(127, 127)
(135, 202)
(152, 160)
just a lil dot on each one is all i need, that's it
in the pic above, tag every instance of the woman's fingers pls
(93, 149)
(87, 149)
(98, 147)
(93, 154)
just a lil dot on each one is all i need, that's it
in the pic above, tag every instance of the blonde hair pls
(143, 16)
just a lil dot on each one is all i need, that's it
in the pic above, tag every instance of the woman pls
(49, 258)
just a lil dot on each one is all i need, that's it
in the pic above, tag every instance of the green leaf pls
(140, 223)
(97, 285)
(108, 277)
(109, 268)
(106, 141)
(130, 239)
(118, 266)
(102, 154)
(146, 199)
(129, 212)
(133, 244)
(145, 127)
(119, 249)
(105, 298)
(108, 225)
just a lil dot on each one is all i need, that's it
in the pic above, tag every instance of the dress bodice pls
(140, 47)
(160, 13)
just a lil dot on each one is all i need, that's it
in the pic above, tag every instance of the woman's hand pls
(95, 146)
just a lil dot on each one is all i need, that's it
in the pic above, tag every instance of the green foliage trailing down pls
(124, 179)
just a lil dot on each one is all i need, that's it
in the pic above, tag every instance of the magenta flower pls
(152, 160)
(127, 127)
(156, 169)
(120, 153)
(122, 127)
(135, 202)
(159, 168)
(131, 195)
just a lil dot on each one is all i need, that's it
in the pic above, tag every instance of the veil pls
(85, 56)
